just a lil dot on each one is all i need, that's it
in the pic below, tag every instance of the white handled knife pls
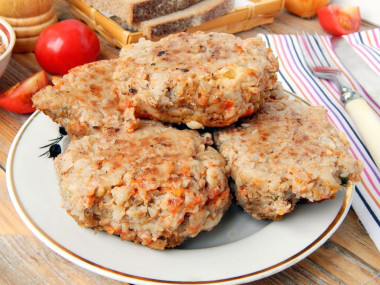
(361, 71)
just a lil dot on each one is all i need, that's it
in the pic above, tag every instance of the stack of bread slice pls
(156, 18)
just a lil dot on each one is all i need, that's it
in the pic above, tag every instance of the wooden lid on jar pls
(28, 19)
(24, 8)
(31, 21)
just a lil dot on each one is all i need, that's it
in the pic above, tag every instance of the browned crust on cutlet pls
(198, 79)
(156, 186)
(288, 151)
(82, 101)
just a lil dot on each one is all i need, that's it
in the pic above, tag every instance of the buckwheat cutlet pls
(199, 79)
(82, 101)
(286, 152)
(156, 186)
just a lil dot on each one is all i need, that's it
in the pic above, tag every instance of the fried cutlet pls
(156, 186)
(82, 101)
(201, 79)
(286, 152)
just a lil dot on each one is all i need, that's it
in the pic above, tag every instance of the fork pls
(361, 113)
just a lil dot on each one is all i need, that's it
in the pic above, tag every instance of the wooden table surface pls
(348, 257)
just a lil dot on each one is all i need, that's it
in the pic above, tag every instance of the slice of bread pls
(134, 11)
(195, 15)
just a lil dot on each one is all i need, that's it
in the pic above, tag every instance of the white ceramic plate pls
(238, 250)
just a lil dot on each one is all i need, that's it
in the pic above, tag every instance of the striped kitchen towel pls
(297, 78)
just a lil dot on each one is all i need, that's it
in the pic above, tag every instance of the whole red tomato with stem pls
(339, 20)
(65, 45)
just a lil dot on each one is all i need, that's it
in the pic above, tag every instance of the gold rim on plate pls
(108, 272)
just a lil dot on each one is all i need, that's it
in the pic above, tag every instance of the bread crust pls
(143, 10)
(135, 11)
(193, 16)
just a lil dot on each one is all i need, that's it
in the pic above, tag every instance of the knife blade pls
(360, 70)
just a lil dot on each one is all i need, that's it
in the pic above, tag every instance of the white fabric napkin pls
(297, 78)
(369, 9)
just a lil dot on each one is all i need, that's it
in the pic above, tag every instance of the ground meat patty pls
(199, 79)
(156, 186)
(286, 152)
(82, 101)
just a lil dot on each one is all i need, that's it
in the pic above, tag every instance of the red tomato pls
(339, 20)
(65, 45)
(18, 98)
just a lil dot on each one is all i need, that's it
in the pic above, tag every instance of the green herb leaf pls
(343, 181)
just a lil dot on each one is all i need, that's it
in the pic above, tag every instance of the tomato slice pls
(339, 20)
(18, 98)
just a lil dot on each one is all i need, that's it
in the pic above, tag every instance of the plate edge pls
(113, 274)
